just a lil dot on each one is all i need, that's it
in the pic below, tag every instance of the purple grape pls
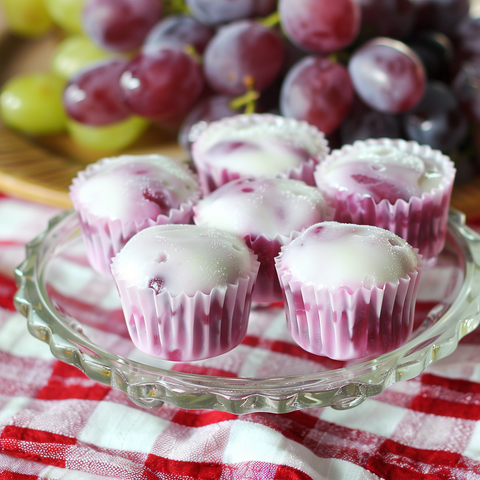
(94, 96)
(179, 31)
(318, 91)
(216, 12)
(387, 75)
(387, 18)
(437, 120)
(120, 25)
(363, 123)
(466, 86)
(162, 83)
(435, 50)
(440, 15)
(210, 109)
(240, 53)
(321, 26)
(467, 37)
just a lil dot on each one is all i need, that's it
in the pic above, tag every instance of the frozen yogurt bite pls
(119, 196)
(397, 185)
(256, 146)
(349, 290)
(264, 212)
(186, 290)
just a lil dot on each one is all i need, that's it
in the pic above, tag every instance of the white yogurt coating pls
(268, 207)
(132, 188)
(257, 145)
(380, 171)
(183, 259)
(255, 156)
(335, 255)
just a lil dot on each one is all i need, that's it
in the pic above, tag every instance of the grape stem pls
(192, 51)
(247, 100)
(174, 6)
(271, 20)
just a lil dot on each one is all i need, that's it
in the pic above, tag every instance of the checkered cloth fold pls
(56, 423)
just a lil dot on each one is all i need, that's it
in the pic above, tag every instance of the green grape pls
(33, 104)
(66, 13)
(112, 137)
(28, 18)
(75, 53)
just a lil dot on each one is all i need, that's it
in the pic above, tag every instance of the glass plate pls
(77, 312)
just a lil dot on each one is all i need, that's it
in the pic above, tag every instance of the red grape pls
(162, 83)
(240, 52)
(94, 97)
(180, 31)
(318, 91)
(120, 25)
(321, 26)
(387, 75)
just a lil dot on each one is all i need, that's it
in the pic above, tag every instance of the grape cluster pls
(356, 69)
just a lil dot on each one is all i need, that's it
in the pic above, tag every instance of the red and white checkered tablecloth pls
(56, 423)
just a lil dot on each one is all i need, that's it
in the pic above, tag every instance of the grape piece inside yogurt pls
(134, 188)
(338, 255)
(183, 259)
(381, 172)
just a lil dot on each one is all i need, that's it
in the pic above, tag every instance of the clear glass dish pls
(77, 312)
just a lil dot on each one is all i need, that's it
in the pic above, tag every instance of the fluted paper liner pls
(187, 328)
(343, 324)
(421, 221)
(104, 237)
(297, 133)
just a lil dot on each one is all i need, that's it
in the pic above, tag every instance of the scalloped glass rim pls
(148, 386)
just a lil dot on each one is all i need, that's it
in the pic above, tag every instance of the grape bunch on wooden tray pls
(356, 69)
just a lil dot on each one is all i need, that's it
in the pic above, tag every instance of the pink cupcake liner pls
(187, 328)
(422, 221)
(103, 237)
(343, 324)
(297, 133)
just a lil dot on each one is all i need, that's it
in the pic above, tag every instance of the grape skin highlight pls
(321, 26)
(387, 75)
(318, 91)
(240, 51)
(162, 83)
(94, 96)
(120, 25)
